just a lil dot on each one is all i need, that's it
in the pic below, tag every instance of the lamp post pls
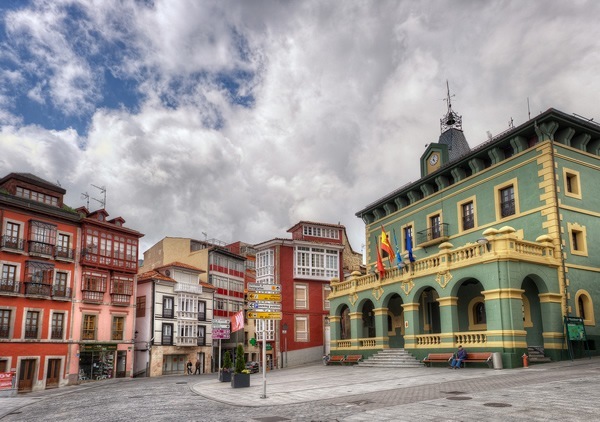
(284, 328)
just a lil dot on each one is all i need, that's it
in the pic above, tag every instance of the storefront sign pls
(6, 380)
(98, 347)
(220, 333)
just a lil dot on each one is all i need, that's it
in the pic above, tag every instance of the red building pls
(38, 271)
(304, 266)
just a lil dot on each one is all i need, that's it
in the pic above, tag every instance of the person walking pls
(197, 371)
(189, 367)
(461, 354)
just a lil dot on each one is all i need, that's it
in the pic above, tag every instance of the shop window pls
(117, 328)
(301, 328)
(89, 327)
(300, 296)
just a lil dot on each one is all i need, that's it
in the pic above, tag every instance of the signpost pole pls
(264, 359)
(219, 368)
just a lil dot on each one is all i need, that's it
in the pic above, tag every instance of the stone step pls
(392, 358)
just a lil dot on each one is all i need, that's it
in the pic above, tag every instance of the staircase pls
(392, 358)
(536, 355)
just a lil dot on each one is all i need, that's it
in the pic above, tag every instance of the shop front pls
(101, 361)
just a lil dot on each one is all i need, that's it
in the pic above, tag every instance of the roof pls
(33, 179)
(154, 275)
(180, 265)
(314, 223)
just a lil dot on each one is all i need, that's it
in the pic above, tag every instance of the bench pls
(438, 358)
(480, 357)
(350, 359)
(335, 359)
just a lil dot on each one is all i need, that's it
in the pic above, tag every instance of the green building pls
(502, 241)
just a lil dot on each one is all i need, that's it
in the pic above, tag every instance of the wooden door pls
(26, 374)
(52, 373)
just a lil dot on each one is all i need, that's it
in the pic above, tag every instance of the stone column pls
(448, 320)
(411, 324)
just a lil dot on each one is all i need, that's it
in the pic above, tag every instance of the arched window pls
(345, 324)
(479, 313)
(585, 307)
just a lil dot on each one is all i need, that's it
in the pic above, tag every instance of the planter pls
(224, 376)
(240, 380)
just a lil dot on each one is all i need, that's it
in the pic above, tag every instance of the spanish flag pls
(380, 267)
(386, 247)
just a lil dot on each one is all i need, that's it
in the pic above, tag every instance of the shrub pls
(240, 365)
(227, 361)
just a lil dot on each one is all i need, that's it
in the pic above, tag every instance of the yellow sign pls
(264, 315)
(264, 296)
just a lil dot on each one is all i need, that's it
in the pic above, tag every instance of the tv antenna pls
(102, 190)
(87, 199)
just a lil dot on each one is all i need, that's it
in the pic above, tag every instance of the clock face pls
(433, 159)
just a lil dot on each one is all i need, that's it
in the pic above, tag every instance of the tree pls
(240, 365)
(227, 361)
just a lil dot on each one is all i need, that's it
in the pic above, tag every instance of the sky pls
(234, 120)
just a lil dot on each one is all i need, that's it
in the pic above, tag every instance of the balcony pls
(433, 235)
(188, 341)
(64, 254)
(31, 332)
(119, 299)
(56, 334)
(9, 286)
(12, 244)
(4, 331)
(41, 249)
(92, 296)
(38, 289)
(61, 292)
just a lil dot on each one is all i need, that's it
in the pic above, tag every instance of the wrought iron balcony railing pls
(31, 332)
(432, 234)
(56, 334)
(65, 253)
(167, 340)
(11, 242)
(61, 292)
(40, 248)
(38, 289)
(9, 286)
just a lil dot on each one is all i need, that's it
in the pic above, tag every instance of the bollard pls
(525, 361)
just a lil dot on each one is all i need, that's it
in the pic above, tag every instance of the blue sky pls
(240, 118)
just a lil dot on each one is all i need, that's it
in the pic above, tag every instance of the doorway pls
(26, 374)
(53, 373)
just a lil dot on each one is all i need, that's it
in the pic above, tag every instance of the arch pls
(345, 326)
(470, 298)
(429, 311)
(394, 320)
(533, 322)
(584, 307)
(366, 307)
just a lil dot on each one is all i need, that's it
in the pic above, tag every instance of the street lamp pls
(284, 328)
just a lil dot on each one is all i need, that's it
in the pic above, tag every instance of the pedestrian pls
(461, 354)
(189, 367)
(197, 367)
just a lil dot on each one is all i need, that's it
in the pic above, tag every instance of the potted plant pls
(225, 371)
(241, 376)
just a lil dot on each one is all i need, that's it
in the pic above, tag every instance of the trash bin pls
(497, 360)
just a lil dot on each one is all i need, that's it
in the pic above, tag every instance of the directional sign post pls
(275, 297)
(260, 287)
(264, 315)
(264, 306)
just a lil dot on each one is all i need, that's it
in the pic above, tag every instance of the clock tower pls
(451, 144)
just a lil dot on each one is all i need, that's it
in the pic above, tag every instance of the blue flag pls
(398, 256)
(411, 258)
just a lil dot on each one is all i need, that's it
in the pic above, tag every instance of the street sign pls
(264, 306)
(264, 315)
(264, 296)
(220, 323)
(220, 333)
(259, 287)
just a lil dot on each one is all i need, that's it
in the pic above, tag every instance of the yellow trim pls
(581, 233)
(553, 334)
(448, 301)
(526, 307)
(335, 318)
(471, 313)
(550, 297)
(410, 306)
(502, 294)
(588, 305)
(575, 183)
(355, 315)
(514, 183)
(380, 311)
(459, 209)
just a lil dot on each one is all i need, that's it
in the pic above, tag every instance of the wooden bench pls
(336, 359)
(350, 359)
(438, 358)
(479, 357)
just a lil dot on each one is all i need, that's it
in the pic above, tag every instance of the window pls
(326, 292)
(572, 183)
(93, 286)
(167, 311)
(506, 199)
(37, 196)
(39, 272)
(316, 262)
(167, 334)
(89, 327)
(63, 249)
(201, 335)
(468, 215)
(434, 226)
(60, 284)
(201, 310)
(265, 266)
(91, 242)
(11, 237)
(477, 315)
(301, 328)
(118, 324)
(328, 233)
(577, 237)
(5, 323)
(140, 307)
(32, 324)
(57, 330)
(408, 238)
(42, 238)
(585, 307)
(300, 296)
(9, 283)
